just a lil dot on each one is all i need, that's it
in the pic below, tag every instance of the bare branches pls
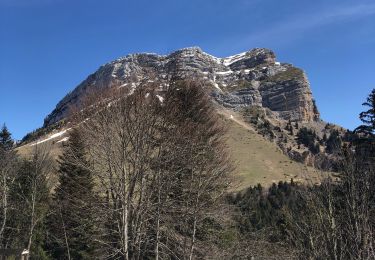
(160, 163)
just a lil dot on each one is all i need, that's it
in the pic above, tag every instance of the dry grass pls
(257, 160)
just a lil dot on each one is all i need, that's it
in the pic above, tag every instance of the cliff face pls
(246, 79)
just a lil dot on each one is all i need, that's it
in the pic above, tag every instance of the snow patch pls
(63, 140)
(133, 87)
(232, 59)
(224, 73)
(215, 59)
(115, 69)
(161, 99)
(51, 137)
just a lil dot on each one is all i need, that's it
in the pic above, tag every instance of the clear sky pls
(47, 47)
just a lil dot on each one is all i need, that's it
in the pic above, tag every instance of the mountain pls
(263, 101)
(252, 78)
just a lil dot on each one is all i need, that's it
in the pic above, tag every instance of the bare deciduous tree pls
(8, 170)
(160, 163)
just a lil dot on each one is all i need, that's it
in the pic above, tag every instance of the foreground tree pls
(8, 169)
(30, 200)
(368, 117)
(72, 219)
(6, 141)
(338, 217)
(161, 164)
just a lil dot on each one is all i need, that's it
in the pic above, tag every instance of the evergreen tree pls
(72, 222)
(333, 142)
(368, 117)
(365, 138)
(6, 141)
(306, 137)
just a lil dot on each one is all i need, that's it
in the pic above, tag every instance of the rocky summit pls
(252, 78)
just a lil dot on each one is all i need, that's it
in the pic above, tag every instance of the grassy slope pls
(258, 160)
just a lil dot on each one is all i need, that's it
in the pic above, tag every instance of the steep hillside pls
(257, 160)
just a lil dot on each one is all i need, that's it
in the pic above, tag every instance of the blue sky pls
(47, 47)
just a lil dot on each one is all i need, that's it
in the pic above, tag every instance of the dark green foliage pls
(334, 142)
(368, 117)
(261, 209)
(266, 129)
(73, 204)
(315, 149)
(350, 136)
(6, 141)
(315, 107)
(307, 137)
(34, 135)
(365, 133)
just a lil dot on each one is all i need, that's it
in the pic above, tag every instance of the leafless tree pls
(338, 220)
(8, 170)
(30, 193)
(160, 163)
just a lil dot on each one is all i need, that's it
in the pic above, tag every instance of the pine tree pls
(365, 140)
(73, 201)
(6, 141)
(333, 142)
(368, 117)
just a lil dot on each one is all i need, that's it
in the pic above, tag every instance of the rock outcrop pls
(252, 78)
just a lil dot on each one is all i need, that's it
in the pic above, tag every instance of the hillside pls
(256, 159)
(260, 161)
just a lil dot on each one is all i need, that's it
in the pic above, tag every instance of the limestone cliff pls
(252, 78)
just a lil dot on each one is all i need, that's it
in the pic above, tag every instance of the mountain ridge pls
(252, 78)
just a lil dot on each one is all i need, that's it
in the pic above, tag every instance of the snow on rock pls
(217, 86)
(161, 99)
(217, 60)
(231, 59)
(63, 140)
(51, 137)
(224, 73)
(115, 69)
(132, 89)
